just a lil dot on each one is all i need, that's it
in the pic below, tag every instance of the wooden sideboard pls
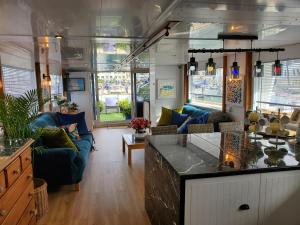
(17, 205)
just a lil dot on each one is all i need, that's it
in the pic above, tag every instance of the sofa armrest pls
(58, 166)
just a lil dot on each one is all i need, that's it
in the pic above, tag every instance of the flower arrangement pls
(140, 124)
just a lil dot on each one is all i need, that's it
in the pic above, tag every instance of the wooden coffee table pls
(129, 140)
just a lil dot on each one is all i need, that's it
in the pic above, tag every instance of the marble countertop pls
(221, 154)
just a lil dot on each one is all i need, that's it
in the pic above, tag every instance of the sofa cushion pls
(166, 117)
(45, 120)
(85, 149)
(178, 119)
(87, 137)
(183, 129)
(79, 118)
(57, 138)
(192, 111)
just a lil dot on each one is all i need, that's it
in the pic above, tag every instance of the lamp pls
(210, 66)
(277, 67)
(235, 69)
(58, 36)
(192, 65)
(258, 70)
(47, 80)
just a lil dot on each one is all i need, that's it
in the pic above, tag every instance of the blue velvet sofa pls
(60, 166)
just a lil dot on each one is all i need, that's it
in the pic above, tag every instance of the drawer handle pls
(2, 189)
(27, 159)
(30, 194)
(3, 212)
(30, 176)
(244, 207)
(33, 212)
(17, 171)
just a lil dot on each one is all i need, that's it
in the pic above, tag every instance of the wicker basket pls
(40, 197)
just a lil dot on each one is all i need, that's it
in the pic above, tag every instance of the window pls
(206, 90)
(271, 93)
(56, 85)
(17, 81)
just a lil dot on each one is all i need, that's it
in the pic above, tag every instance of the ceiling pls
(112, 28)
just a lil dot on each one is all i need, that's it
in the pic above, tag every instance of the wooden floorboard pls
(111, 193)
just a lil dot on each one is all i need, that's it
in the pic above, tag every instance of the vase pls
(140, 131)
(140, 134)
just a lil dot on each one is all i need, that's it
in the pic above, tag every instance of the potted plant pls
(16, 115)
(125, 108)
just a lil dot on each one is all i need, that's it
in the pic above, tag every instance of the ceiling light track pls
(222, 50)
(154, 38)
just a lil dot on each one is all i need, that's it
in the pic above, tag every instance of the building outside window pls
(271, 93)
(205, 90)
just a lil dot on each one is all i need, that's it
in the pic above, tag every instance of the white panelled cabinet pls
(258, 199)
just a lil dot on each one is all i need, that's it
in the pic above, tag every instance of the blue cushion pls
(183, 129)
(192, 111)
(178, 119)
(66, 119)
(44, 120)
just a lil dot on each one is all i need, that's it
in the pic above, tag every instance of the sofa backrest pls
(45, 120)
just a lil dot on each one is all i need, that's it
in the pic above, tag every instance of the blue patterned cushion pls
(192, 111)
(183, 129)
(178, 118)
(66, 119)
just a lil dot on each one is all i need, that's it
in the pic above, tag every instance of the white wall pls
(84, 98)
(165, 73)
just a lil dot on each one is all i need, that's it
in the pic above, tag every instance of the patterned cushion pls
(57, 138)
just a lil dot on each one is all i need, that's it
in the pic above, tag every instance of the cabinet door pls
(280, 198)
(222, 201)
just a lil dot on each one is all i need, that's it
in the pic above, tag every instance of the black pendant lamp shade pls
(235, 69)
(192, 65)
(258, 70)
(277, 67)
(210, 67)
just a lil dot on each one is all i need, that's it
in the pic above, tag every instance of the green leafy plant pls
(125, 107)
(16, 114)
(100, 105)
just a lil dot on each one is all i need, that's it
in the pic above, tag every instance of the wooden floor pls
(111, 193)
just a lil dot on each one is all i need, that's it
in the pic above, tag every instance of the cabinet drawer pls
(18, 209)
(12, 195)
(32, 221)
(28, 214)
(13, 171)
(26, 158)
(2, 183)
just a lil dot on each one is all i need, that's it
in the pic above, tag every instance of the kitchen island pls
(221, 179)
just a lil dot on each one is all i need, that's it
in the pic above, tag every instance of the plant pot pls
(127, 117)
(40, 197)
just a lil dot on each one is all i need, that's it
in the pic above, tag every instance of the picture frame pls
(75, 84)
(166, 89)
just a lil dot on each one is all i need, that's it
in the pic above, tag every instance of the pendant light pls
(258, 70)
(210, 66)
(235, 69)
(192, 65)
(277, 67)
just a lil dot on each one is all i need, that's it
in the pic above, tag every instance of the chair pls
(231, 126)
(200, 128)
(172, 129)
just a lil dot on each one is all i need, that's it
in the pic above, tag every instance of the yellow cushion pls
(179, 110)
(166, 117)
